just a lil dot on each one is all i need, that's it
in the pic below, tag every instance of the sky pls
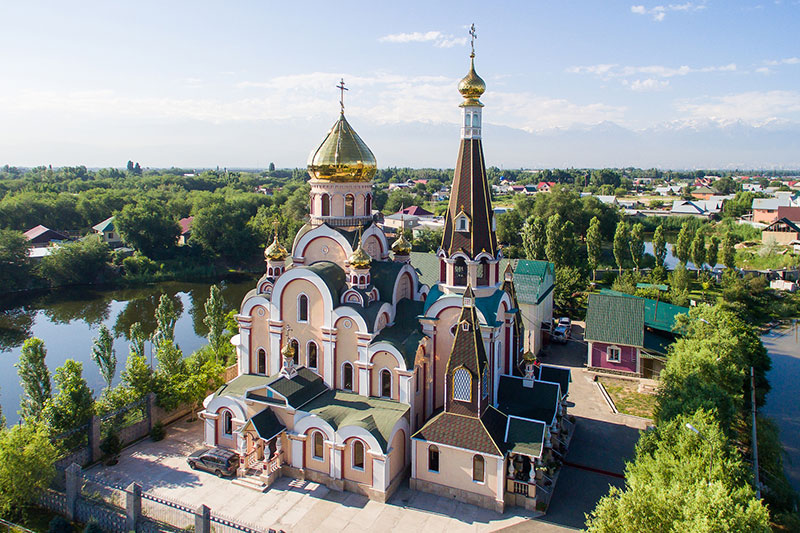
(242, 84)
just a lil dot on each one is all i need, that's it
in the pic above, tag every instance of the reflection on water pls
(68, 320)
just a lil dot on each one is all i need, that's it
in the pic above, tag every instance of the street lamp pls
(711, 444)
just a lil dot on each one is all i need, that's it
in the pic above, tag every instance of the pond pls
(68, 320)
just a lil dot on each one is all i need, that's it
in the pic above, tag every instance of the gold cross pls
(473, 35)
(342, 89)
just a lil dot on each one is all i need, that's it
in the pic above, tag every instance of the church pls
(354, 373)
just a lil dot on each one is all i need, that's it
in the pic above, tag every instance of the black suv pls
(219, 461)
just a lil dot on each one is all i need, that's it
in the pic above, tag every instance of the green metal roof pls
(333, 276)
(340, 409)
(655, 343)
(488, 307)
(368, 313)
(106, 225)
(615, 319)
(266, 424)
(533, 267)
(555, 374)
(384, 276)
(305, 386)
(406, 332)
(524, 436)
(240, 384)
(427, 266)
(538, 402)
(657, 314)
(659, 286)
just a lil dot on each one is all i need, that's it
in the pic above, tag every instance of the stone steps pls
(251, 482)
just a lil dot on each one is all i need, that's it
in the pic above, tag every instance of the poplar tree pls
(712, 253)
(637, 245)
(621, 248)
(594, 244)
(534, 237)
(73, 406)
(684, 245)
(104, 356)
(699, 250)
(554, 249)
(728, 252)
(34, 378)
(166, 317)
(659, 246)
(215, 320)
(137, 337)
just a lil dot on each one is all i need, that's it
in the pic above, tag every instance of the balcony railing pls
(343, 221)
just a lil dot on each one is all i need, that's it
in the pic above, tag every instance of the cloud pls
(438, 39)
(617, 71)
(659, 12)
(649, 84)
(754, 107)
(785, 61)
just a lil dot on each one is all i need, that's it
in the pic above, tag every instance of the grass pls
(627, 397)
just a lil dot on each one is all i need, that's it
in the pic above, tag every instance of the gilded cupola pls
(342, 156)
(275, 251)
(471, 86)
(359, 258)
(401, 246)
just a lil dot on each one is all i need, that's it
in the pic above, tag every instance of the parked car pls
(565, 322)
(218, 461)
(560, 335)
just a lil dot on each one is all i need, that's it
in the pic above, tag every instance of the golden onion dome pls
(342, 156)
(471, 86)
(528, 357)
(359, 258)
(401, 246)
(288, 351)
(276, 251)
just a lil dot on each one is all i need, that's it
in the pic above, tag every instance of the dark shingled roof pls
(333, 276)
(555, 374)
(467, 352)
(299, 390)
(615, 319)
(406, 332)
(539, 402)
(340, 409)
(266, 424)
(384, 276)
(478, 434)
(470, 193)
(525, 436)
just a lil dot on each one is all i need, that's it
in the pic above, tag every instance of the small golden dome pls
(360, 258)
(471, 86)
(528, 357)
(276, 251)
(342, 156)
(401, 246)
(288, 351)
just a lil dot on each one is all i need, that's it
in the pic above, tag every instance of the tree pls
(659, 245)
(27, 460)
(215, 320)
(166, 317)
(129, 167)
(272, 167)
(554, 248)
(594, 245)
(534, 237)
(728, 252)
(637, 245)
(569, 286)
(138, 376)
(34, 378)
(679, 278)
(104, 356)
(684, 244)
(137, 337)
(13, 259)
(699, 250)
(137, 169)
(78, 262)
(222, 229)
(149, 227)
(621, 248)
(202, 376)
(712, 253)
(681, 481)
(73, 406)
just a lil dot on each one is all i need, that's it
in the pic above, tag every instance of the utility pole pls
(755, 435)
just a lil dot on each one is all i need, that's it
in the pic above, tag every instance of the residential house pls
(669, 190)
(752, 187)
(186, 230)
(416, 211)
(41, 236)
(703, 193)
(765, 210)
(629, 335)
(607, 199)
(545, 186)
(782, 231)
(789, 212)
(108, 233)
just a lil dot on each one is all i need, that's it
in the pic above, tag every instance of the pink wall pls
(764, 216)
(627, 361)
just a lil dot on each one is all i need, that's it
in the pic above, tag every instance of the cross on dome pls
(473, 35)
(342, 89)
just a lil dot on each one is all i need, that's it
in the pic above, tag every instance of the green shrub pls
(138, 264)
(59, 525)
(158, 432)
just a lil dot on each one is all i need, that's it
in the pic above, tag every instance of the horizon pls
(585, 85)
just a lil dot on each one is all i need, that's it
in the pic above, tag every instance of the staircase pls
(251, 481)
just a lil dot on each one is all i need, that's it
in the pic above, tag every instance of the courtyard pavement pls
(602, 442)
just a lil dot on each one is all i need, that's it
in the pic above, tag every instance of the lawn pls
(627, 397)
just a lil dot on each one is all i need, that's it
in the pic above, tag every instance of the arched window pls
(466, 120)
(476, 120)
(363, 280)
(462, 385)
(358, 455)
(349, 205)
(318, 450)
(485, 382)
(347, 376)
(227, 423)
(477, 469)
(262, 361)
(302, 308)
(460, 272)
(312, 355)
(368, 205)
(433, 458)
(483, 272)
(326, 205)
(386, 384)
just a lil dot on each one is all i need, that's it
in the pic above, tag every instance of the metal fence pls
(159, 510)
